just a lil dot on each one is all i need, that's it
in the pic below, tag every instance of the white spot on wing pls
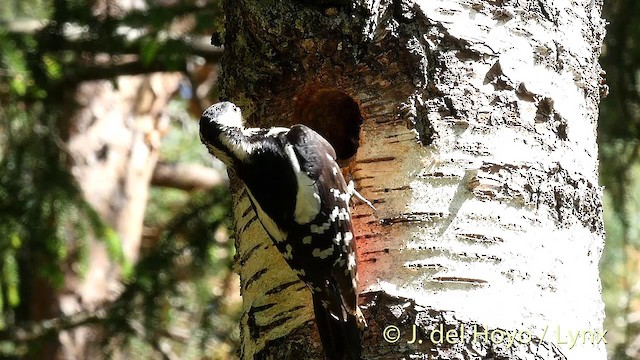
(352, 261)
(339, 213)
(307, 240)
(338, 238)
(334, 214)
(343, 214)
(322, 254)
(300, 272)
(315, 229)
(340, 195)
(288, 254)
(348, 236)
(307, 200)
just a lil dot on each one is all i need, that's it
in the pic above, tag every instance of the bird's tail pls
(341, 340)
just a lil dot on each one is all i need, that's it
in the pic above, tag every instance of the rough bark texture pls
(477, 145)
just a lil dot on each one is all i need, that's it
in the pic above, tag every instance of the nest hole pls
(333, 114)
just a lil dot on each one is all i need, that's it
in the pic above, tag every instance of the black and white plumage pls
(302, 200)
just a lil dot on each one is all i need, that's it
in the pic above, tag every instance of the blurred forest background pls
(115, 222)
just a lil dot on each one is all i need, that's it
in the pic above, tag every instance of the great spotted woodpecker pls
(302, 200)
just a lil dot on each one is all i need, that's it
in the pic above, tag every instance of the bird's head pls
(220, 128)
(222, 114)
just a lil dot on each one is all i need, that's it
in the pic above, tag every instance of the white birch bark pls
(479, 150)
(500, 218)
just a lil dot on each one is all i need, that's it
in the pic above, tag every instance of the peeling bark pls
(477, 147)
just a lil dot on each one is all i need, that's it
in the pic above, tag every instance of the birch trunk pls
(114, 140)
(115, 144)
(476, 129)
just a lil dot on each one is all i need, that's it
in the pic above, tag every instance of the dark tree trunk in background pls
(476, 129)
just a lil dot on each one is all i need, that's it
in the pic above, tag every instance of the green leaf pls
(149, 51)
(52, 66)
(16, 242)
(18, 86)
(1, 305)
(11, 280)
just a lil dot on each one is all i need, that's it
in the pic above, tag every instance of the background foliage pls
(619, 135)
(178, 293)
(177, 296)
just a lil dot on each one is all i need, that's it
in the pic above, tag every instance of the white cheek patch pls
(240, 148)
(268, 224)
(307, 199)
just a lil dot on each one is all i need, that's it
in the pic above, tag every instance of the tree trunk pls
(114, 142)
(476, 130)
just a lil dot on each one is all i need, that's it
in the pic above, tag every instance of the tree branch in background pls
(187, 177)
(55, 325)
(169, 54)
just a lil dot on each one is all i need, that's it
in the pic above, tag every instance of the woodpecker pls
(302, 200)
